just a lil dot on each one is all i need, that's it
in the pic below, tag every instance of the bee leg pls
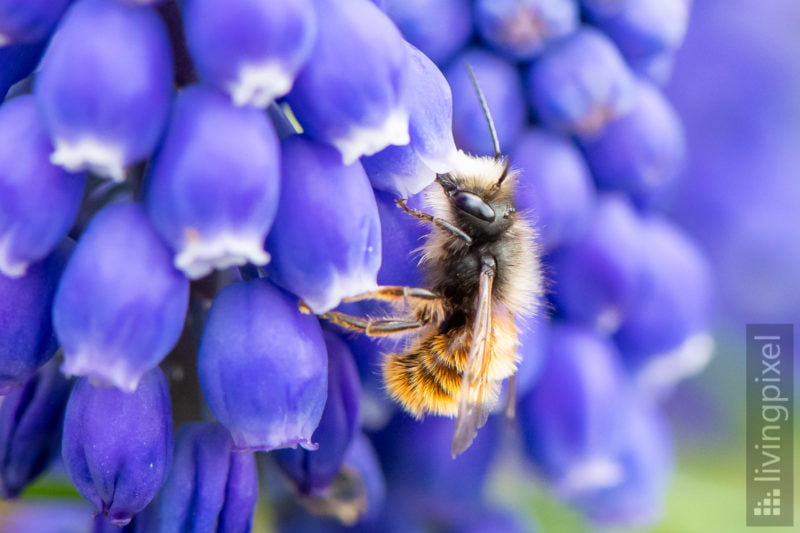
(392, 293)
(438, 222)
(373, 328)
(391, 326)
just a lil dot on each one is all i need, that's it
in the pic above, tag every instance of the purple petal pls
(117, 445)
(95, 121)
(580, 84)
(38, 201)
(30, 428)
(251, 50)
(26, 330)
(120, 305)
(263, 368)
(406, 170)
(209, 219)
(325, 243)
(361, 77)
(211, 487)
(555, 187)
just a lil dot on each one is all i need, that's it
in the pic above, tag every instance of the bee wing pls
(472, 408)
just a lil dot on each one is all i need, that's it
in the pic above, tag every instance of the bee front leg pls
(370, 327)
(438, 222)
(392, 293)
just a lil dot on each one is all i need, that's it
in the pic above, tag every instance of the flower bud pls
(250, 50)
(502, 87)
(104, 86)
(421, 23)
(671, 305)
(361, 77)
(597, 276)
(522, 28)
(643, 29)
(26, 329)
(570, 419)
(118, 445)
(31, 418)
(580, 84)
(120, 306)
(39, 200)
(262, 367)
(211, 487)
(325, 243)
(312, 472)
(642, 152)
(407, 169)
(555, 187)
(208, 218)
(28, 21)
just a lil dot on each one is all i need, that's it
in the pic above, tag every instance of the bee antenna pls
(485, 108)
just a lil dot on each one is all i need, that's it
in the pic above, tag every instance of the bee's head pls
(483, 205)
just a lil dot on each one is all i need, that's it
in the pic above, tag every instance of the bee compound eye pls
(474, 205)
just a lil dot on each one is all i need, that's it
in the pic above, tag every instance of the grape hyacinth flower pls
(117, 445)
(362, 78)
(211, 205)
(110, 114)
(31, 418)
(39, 201)
(17, 61)
(30, 21)
(313, 471)
(406, 170)
(211, 486)
(263, 367)
(523, 28)
(26, 329)
(120, 305)
(325, 242)
(251, 50)
(580, 84)
(596, 277)
(641, 152)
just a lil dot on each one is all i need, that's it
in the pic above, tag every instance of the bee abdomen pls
(423, 381)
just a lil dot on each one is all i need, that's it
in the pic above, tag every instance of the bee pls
(481, 266)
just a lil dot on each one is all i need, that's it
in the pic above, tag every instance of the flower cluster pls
(184, 172)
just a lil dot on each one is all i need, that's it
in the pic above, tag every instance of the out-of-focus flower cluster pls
(179, 174)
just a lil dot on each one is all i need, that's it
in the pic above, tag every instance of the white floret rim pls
(201, 256)
(100, 157)
(259, 84)
(368, 140)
